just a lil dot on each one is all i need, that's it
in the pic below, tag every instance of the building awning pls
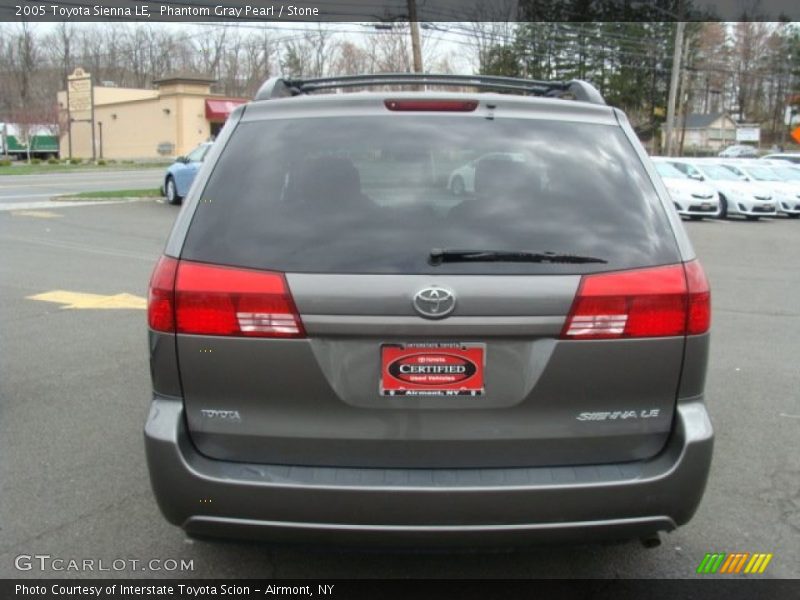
(218, 110)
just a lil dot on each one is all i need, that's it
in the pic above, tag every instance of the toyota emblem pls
(434, 302)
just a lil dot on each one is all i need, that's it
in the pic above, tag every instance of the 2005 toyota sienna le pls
(343, 349)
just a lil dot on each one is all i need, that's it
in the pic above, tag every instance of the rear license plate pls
(432, 369)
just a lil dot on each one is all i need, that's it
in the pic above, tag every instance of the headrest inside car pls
(330, 179)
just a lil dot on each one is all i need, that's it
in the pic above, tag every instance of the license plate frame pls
(432, 369)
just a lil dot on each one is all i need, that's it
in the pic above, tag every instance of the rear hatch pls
(341, 302)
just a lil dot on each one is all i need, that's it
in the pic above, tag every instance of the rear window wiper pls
(439, 256)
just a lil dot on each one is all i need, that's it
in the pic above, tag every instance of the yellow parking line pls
(81, 300)
(41, 214)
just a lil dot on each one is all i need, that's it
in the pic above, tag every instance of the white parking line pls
(56, 184)
(80, 247)
(50, 195)
(59, 204)
(40, 214)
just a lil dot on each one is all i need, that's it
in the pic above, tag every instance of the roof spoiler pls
(279, 87)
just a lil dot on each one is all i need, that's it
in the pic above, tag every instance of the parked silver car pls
(785, 194)
(692, 198)
(790, 157)
(739, 151)
(344, 351)
(736, 196)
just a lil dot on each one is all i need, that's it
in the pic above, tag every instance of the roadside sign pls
(748, 134)
(796, 134)
(79, 92)
(80, 103)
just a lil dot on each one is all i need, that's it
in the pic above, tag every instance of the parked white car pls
(737, 197)
(785, 193)
(692, 198)
(788, 173)
(792, 157)
(462, 179)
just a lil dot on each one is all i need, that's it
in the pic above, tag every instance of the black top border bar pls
(389, 11)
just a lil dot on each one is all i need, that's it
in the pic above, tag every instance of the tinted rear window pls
(377, 194)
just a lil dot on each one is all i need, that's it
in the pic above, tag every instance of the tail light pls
(657, 302)
(699, 318)
(227, 301)
(161, 296)
(432, 105)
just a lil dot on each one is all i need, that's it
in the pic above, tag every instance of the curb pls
(103, 199)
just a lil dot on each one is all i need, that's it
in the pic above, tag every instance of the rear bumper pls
(426, 506)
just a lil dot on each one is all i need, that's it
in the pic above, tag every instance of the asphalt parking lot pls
(74, 387)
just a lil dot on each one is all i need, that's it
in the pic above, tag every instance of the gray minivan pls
(345, 350)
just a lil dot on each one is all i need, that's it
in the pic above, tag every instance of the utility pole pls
(673, 86)
(416, 48)
(94, 141)
(786, 80)
(5, 141)
(683, 102)
(69, 121)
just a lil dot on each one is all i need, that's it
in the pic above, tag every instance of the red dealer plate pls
(432, 369)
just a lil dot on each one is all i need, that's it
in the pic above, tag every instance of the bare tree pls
(230, 64)
(711, 56)
(320, 41)
(257, 56)
(210, 49)
(743, 66)
(393, 51)
(295, 58)
(58, 47)
(750, 46)
(8, 83)
(24, 60)
(31, 120)
(491, 26)
(308, 54)
(351, 59)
